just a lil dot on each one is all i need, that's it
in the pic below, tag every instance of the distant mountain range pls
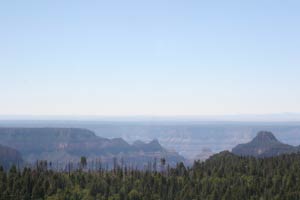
(69, 144)
(265, 144)
(188, 138)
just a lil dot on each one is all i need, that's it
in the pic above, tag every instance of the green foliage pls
(223, 177)
(83, 161)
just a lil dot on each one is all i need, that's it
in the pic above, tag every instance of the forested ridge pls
(223, 176)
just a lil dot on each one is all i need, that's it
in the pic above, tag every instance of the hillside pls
(265, 144)
(223, 176)
(9, 157)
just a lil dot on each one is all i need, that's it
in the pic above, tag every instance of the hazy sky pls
(149, 57)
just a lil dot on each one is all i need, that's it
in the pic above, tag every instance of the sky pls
(152, 57)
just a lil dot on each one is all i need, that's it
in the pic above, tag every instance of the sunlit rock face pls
(264, 144)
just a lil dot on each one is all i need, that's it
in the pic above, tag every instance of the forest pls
(221, 177)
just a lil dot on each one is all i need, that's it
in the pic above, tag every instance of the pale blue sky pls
(149, 57)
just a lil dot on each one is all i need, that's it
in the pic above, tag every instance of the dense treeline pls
(224, 176)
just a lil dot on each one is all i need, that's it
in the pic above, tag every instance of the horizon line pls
(269, 117)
